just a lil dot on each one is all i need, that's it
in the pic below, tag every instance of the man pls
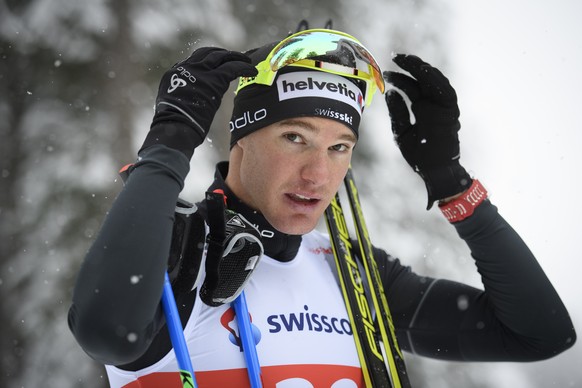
(294, 126)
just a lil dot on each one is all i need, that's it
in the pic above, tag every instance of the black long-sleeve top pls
(517, 317)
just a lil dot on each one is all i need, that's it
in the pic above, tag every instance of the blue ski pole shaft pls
(177, 335)
(247, 340)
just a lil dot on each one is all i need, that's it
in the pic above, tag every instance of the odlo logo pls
(247, 118)
(177, 82)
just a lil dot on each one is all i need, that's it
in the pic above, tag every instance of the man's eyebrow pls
(349, 137)
(299, 123)
(312, 128)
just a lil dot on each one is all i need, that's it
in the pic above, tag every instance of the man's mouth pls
(302, 198)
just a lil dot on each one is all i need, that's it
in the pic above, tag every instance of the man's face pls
(291, 170)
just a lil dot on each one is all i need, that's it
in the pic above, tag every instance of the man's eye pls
(340, 147)
(293, 137)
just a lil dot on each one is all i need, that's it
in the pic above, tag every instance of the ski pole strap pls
(215, 219)
(234, 249)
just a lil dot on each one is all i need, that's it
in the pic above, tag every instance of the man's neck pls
(280, 246)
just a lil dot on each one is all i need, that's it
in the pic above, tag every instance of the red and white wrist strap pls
(464, 206)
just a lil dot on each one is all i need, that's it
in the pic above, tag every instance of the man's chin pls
(295, 225)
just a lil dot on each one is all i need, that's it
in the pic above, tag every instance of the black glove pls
(430, 145)
(234, 251)
(190, 94)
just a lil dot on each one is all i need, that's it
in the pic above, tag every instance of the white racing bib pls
(299, 322)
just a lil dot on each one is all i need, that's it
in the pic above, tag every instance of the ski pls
(364, 331)
(396, 365)
(382, 362)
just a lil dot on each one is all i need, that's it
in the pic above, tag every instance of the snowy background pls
(78, 80)
(516, 66)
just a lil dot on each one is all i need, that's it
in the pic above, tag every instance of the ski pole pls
(177, 336)
(247, 340)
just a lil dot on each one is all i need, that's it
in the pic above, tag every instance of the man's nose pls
(316, 168)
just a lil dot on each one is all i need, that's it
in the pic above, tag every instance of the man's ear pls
(241, 143)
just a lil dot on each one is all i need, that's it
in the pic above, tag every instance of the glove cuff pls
(464, 206)
(174, 134)
(444, 182)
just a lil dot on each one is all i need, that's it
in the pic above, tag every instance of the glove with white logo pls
(430, 145)
(233, 252)
(189, 95)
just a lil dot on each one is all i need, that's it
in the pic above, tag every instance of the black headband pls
(297, 92)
